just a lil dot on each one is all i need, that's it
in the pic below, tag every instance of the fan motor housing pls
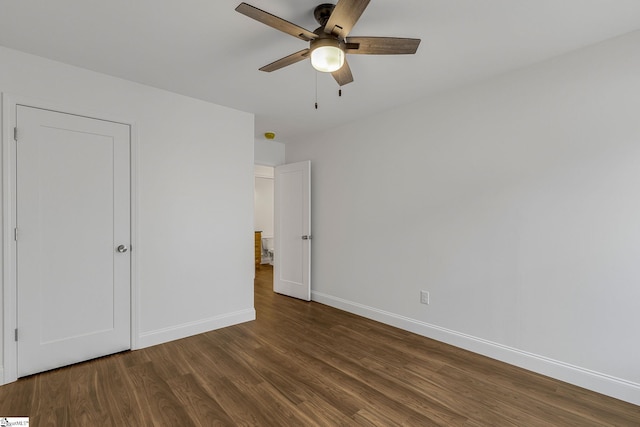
(323, 12)
(325, 39)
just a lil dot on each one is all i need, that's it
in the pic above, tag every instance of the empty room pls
(303, 213)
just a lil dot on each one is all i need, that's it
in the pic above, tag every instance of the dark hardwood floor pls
(304, 364)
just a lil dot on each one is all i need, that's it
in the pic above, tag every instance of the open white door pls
(292, 226)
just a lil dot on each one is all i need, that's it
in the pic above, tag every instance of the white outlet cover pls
(424, 297)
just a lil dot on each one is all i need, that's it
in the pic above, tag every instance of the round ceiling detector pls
(269, 135)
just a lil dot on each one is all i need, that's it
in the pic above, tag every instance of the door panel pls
(73, 210)
(292, 254)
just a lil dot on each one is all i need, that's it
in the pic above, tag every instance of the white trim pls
(259, 172)
(135, 247)
(9, 368)
(595, 381)
(9, 356)
(262, 175)
(160, 336)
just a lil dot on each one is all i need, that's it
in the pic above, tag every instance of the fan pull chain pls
(316, 74)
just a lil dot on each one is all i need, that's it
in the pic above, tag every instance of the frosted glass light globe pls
(327, 59)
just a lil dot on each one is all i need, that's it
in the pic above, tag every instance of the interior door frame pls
(9, 368)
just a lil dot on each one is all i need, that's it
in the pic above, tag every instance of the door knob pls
(122, 249)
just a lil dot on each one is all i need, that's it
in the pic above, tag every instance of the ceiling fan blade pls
(275, 22)
(381, 45)
(343, 76)
(287, 60)
(344, 17)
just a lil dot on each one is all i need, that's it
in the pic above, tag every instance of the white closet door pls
(73, 212)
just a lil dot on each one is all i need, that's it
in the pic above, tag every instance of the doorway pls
(264, 211)
(283, 221)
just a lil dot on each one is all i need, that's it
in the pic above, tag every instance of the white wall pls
(195, 193)
(515, 202)
(269, 153)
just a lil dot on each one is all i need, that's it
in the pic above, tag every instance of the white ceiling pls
(204, 49)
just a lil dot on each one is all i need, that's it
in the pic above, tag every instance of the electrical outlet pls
(424, 297)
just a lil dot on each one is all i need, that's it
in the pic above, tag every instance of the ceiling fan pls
(329, 44)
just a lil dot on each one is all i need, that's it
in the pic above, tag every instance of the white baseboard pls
(595, 381)
(159, 336)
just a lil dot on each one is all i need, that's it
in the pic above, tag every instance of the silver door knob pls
(122, 249)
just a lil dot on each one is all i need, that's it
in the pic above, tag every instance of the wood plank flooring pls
(304, 364)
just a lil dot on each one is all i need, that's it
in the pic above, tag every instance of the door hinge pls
(15, 133)
(15, 234)
(16, 334)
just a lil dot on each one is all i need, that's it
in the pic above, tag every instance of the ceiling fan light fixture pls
(327, 55)
(328, 44)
